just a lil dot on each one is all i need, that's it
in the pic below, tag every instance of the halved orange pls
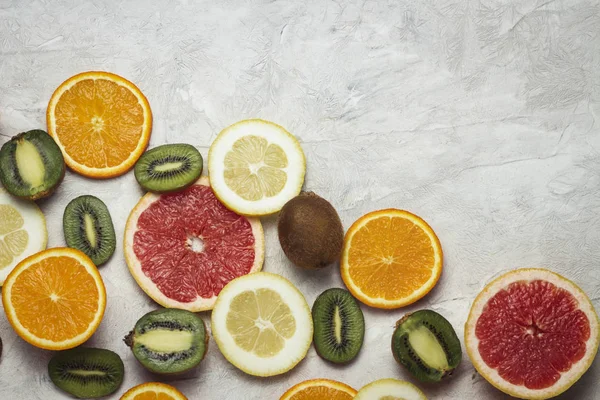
(391, 259)
(153, 391)
(319, 389)
(101, 122)
(55, 299)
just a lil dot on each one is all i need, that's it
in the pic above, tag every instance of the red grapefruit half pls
(183, 248)
(532, 333)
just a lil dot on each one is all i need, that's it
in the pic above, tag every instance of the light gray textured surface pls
(480, 116)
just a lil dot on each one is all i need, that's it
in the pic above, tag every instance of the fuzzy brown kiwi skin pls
(332, 232)
(129, 342)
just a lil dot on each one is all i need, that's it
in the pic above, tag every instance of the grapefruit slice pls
(532, 333)
(183, 248)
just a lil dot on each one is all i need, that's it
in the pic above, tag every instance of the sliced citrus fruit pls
(262, 324)
(22, 231)
(255, 167)
(153, 391)
(390, 389)
(183, 247)
(532, 333)
(101, 122)
(55, 299)
(319, 389)
(391, 258)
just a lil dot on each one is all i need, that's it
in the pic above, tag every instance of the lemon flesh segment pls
(22, 231)
(255, 167)
(390, 389)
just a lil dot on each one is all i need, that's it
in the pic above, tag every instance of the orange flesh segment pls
(75, 295)
(99, 122)
(390, 258)
(152, 395)
(321, 393)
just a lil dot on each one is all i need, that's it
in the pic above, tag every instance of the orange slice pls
(391, 258)
(153, 391)
(101, 122)
(319, 389)
(55, 299)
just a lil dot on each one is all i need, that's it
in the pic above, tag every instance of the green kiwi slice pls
(426, 344)
(339, 326)
(88, 227)
(31, 165)
(87, 373)
(168, 341)
(168, 168)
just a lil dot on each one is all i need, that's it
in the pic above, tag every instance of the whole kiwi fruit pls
(310, 231)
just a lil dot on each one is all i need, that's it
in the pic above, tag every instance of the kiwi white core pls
(90, 230)
(170, 166)
(166, 341)
(29, 163)
(427, 347)
(337, 323)
(82, 372)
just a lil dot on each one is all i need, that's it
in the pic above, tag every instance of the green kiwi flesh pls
(426, 344)
(88, 227)
(31, 165)
(310, 231)
(169, 341)
(168, 168)
(339, 326)
(87, 373)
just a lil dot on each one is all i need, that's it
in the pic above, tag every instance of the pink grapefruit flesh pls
(183, 248)
(532, 333)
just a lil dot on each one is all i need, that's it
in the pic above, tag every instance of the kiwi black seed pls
(310, 231)
(168, 341)
(339, 326)
(168, 168)
(88, 227)
(87, 373)
(31, 165)
(426, 344)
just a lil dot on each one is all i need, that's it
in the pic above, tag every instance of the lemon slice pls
(390, 389)
(255, 167)
(22, 231)
(262, 324)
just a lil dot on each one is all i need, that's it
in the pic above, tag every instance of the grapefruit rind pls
(126, 165)
(148, 286)
(12, 317)
(296, 347)
(34, 223)
(156, 387)
(342, 387)
(416, 295)
(390, 388)
(568, 378)
(274, 133)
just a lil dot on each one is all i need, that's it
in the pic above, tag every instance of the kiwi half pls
(168, 168)
(87, 372)
(310, 231)
(426, 344)
(88, 227)
(168, 341)
(339, 326)
(31, 165)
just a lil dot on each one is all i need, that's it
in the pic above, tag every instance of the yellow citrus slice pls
(255, 167)
(262, 324)
(22, 231)
(391, 259)
(153, 391)
(390, 389)
(532, 333)
(55, 299)
(101, 122)
(319, 389)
